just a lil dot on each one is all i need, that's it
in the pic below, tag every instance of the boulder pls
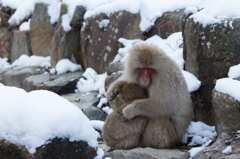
(168, 23)
(54, 148)
(99, 37)
(41, 31)
(63, 148)
(60, 84)
(67, 45)
(16, 77)
(210, 51)
(225, 112)
(20, 44)
(10, 150)
(5, 42)
(57, 37)
(114, 67)
(224, 140)
(2, 72)
(87, 103)
(146, 153)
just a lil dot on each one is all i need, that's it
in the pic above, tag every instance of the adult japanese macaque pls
(168, 106)
(120, 133)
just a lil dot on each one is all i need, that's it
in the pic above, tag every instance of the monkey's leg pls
(160, 133)
(120, 133)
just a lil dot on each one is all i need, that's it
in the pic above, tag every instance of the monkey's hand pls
(112, 94)
(114, 90)
(128, 111)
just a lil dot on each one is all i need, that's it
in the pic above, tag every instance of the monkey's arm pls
(115, 89)
(148, 108)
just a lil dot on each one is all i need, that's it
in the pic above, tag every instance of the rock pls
(55, 148)
(57, 37)
(2, 72)
(114, 67)
(16, 77)
(63, 148)
(67, 45)
(210, 51)
(214, 151)
(226, 112)
(12, 151)
(60, 84)
(5, 42)
(168, 23)
(87, 103)
(99, 45)
(41, 31)
(7, 12)
(20, 44)
(78, 17)
(147, 153)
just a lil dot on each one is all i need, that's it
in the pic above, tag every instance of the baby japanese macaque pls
(121, 133)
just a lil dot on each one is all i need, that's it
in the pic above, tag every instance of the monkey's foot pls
(112, 94)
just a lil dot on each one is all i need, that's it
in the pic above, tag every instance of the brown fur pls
(168, 106)
(120, 133)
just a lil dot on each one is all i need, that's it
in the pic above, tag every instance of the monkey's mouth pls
(145, 81)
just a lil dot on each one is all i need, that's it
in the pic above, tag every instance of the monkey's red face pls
(145, 75)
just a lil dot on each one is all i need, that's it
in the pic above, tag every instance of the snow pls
(38, 61)
(229, 85)
(4, 63)
(25, 26)
(89, 73)
(54, 11)
(65, 65)
(149, 9)
(192, 82)
(200, 132)
(194, 151)
(33, 118)
(211, 11)
(234, 71)
(228, 150)
(24, 9)
(91, 81)
(102, 101)
(214, 11)
(202, 135)
(107, 110)
(103, 24)
(97, 124)
(100, 154)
